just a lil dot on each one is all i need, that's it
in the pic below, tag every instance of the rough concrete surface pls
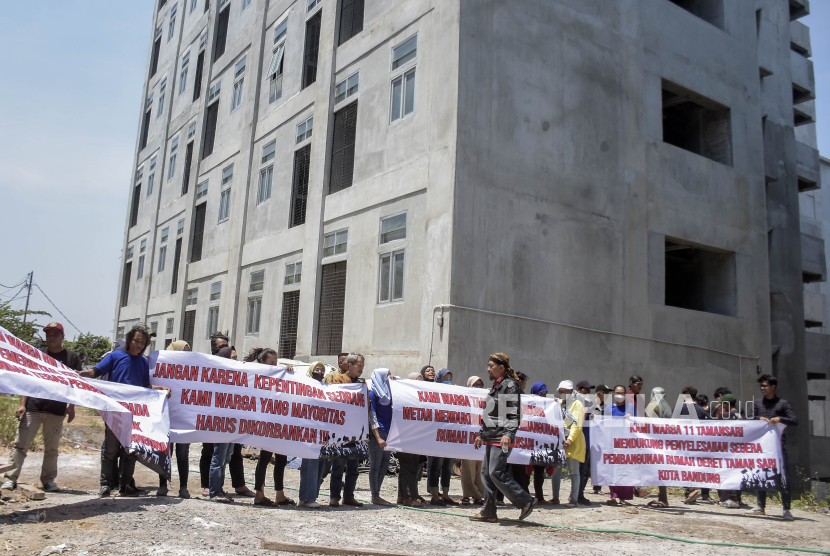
(151, 525)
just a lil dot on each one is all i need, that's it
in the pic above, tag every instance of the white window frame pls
(292, 272)
(180, 227)
(265, 158)
(162, 91)
(217, 293)
(214, 92)
(392, 253)
(212, 321)
(150, 179)
(191, 131)
(171, 170)
(405, 227)
(311, 4)
(335, 234)
(307, 127)
(251, 328)
(183, 72)
(202, 42)
(165, 233)
(169, 326)
(245, 4)
(404, 87)
(402, 65)
(266, 181)
(276, 69)
(260, 272)
(193, 5)
(192, 297)
(238, 83)
(202, 191)
(162, 258)
(130, 251)
(345, 89)
(224, 204)
(140, 273)
(142, 246)
(171, 30)
(227, 177)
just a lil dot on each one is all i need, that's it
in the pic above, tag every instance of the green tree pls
(12, 321)
(89, 347)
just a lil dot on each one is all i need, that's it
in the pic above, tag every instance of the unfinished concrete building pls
(596, 188)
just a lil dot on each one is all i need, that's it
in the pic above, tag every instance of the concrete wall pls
(566, 192)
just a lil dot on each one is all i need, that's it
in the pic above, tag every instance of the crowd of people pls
(485, 481)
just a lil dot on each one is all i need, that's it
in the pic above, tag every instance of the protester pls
(440, 467)
(602, 391)
(583, 388)
(635, 386)
(342, 368)
(380, 419)
(124, 367)
(472, 489)
(428, 373)
(218, 341)
(690, 401)
(621, 408)
(574, 442)
(35, 412)
(773, 410)
(415, 376)
(354, 368)
(182, 451)
(497, 433)
(720, 392)
(311, 469)
(408, 474)
(727, 410)
(522, 381)
(539, 471)
(659, 408)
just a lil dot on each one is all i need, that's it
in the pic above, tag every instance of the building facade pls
(596, 188)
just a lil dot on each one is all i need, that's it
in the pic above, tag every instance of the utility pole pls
(28, 294)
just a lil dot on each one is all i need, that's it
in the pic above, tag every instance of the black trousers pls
(408, 475)
(182, 464)
(539, 481)
(109, 468)
(262, 470)
(520, 475)
(237, 468)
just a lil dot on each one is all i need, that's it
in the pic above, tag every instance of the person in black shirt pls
(773, 409)
(34, 412)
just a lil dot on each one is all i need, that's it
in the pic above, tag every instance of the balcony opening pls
(700, 278)
(710, 11)
(696, 124)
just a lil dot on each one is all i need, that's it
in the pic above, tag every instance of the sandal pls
(449, 501)
(625, 503)
(614, 502)
(205, 492)
(223, 500)
(264, 502)
(479, 501)
(437, 501)
(247, 492)
(286, 502)
(465, 501)
(479, 517)
(657, 504)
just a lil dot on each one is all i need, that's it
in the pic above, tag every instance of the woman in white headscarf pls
(659, 408)
(380, 419)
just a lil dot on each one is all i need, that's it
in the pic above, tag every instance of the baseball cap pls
(604, 388)
(142, 326)
(728, 398)
(584, 384)
(53, 326)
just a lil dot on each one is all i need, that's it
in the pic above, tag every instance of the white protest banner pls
(726, 455)
(271, 408)
(137, 416)
(442, 420)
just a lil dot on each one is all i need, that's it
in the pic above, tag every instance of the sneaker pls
(788, 516)
(527, 510)
(51, 487)
(731, 504)
(162, 491)
(758, 511)
(104, 492)
(9, 485)
(334, 502)
(130, 492)
(311, 505)
(352, 502)
(184, 493)
(583, 501)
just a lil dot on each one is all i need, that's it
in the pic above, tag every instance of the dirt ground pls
(170, 525)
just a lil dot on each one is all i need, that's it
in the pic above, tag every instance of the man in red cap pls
(34, 412)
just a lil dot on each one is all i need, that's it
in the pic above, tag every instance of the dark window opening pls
(176, 257)
(700, 279)
(125, 285)
(801, 95)
(221, 33)
(134, 207)
(200, 64)
(810, 277)
(210, 129)
(351, 19)
(816, 376)
(188, 160)
(145, 130)
(816, 398)
(198, 234)
(188, 326)
(332, 308)
(154, 61)
(710, 11)
(161, 3)
(798, 10)
(696, 124)
(207, 5)
(312, 49)
(342, 148)
(288, 324)
(299, 186)
(812, 324)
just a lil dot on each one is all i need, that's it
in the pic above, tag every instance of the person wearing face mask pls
(620, 408)
(440, 466)
(540, 472)
(574, 442)
(471, 485)
(659, 408)
(311, 469)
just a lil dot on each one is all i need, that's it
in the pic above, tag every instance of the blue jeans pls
(349, 465)
(221, 456)
(311, 475)
(378, 463)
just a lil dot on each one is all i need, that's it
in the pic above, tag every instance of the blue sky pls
(71, 98)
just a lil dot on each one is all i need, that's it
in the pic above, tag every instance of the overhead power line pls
(18, 284)
(56, 308)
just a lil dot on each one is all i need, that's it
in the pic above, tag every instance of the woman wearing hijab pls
(311, 469)
(428, 373)
(440, 467)
(471, 485)
(574, 442)
(539, 471)
(620, 495)
(267, 356)
(380, 419)
(179, 345)
(415, 376)
(659, 408)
